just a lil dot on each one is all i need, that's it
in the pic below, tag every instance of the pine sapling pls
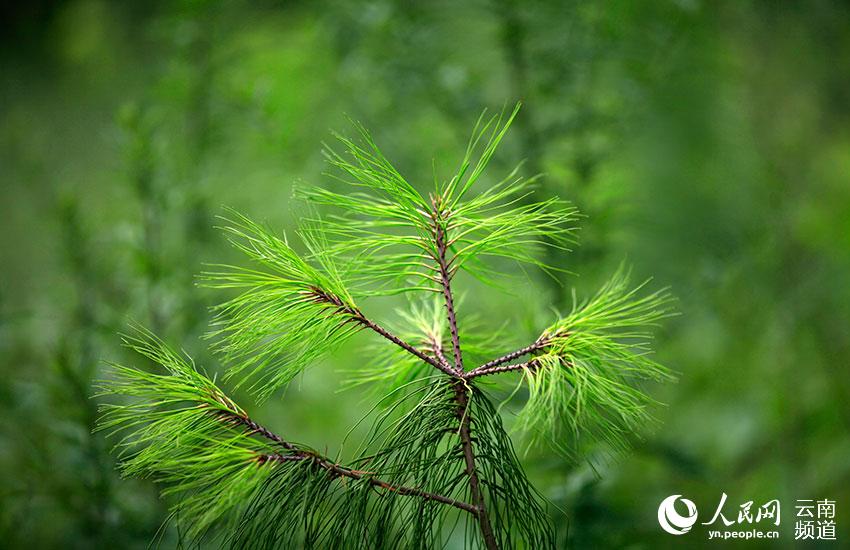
(438, 460)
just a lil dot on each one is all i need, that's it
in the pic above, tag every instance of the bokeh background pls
(707, 143)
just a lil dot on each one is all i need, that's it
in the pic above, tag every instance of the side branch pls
(254, 428)
(333, 469)
(507, 358)
(355, 315)
(401, 343)
(533, 364)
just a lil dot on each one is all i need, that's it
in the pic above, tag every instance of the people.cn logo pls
(673, 522)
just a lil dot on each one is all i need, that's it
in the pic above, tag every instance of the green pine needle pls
(280, 323)
(384, 227)
(584, 386)
(174, 430)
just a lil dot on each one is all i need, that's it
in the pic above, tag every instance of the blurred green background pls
(707, 143)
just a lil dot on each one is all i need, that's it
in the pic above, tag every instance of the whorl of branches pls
(438, 455)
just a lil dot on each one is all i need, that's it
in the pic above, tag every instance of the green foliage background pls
(708, 143)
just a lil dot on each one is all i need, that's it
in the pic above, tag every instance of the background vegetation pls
(706, 142)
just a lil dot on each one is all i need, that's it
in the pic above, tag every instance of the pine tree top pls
(438, 459)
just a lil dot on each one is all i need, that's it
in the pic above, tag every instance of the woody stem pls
(461, 389)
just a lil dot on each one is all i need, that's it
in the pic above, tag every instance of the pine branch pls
(528, 365)
(439, 440)
(278, 325)
(584, 383)
(389, 367)
(490, 367)
(357, 316)
(386, 228)
(254, 428)
(425, 448)
(405, 346)
(290, 313)
(183, 429)
(331, 467)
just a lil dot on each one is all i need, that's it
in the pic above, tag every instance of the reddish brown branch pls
(298, 454)
(445, 279)
(254, 428)
(401, 343)
(355, 315)
(487, 368)
(533, 364)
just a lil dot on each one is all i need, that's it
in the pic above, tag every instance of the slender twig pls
(488, 367)
(296, 453)
(533, 364)
(255, 428)
(461, 389)
(399, 342)
(357, 316)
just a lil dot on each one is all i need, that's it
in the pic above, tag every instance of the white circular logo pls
(671, 521)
